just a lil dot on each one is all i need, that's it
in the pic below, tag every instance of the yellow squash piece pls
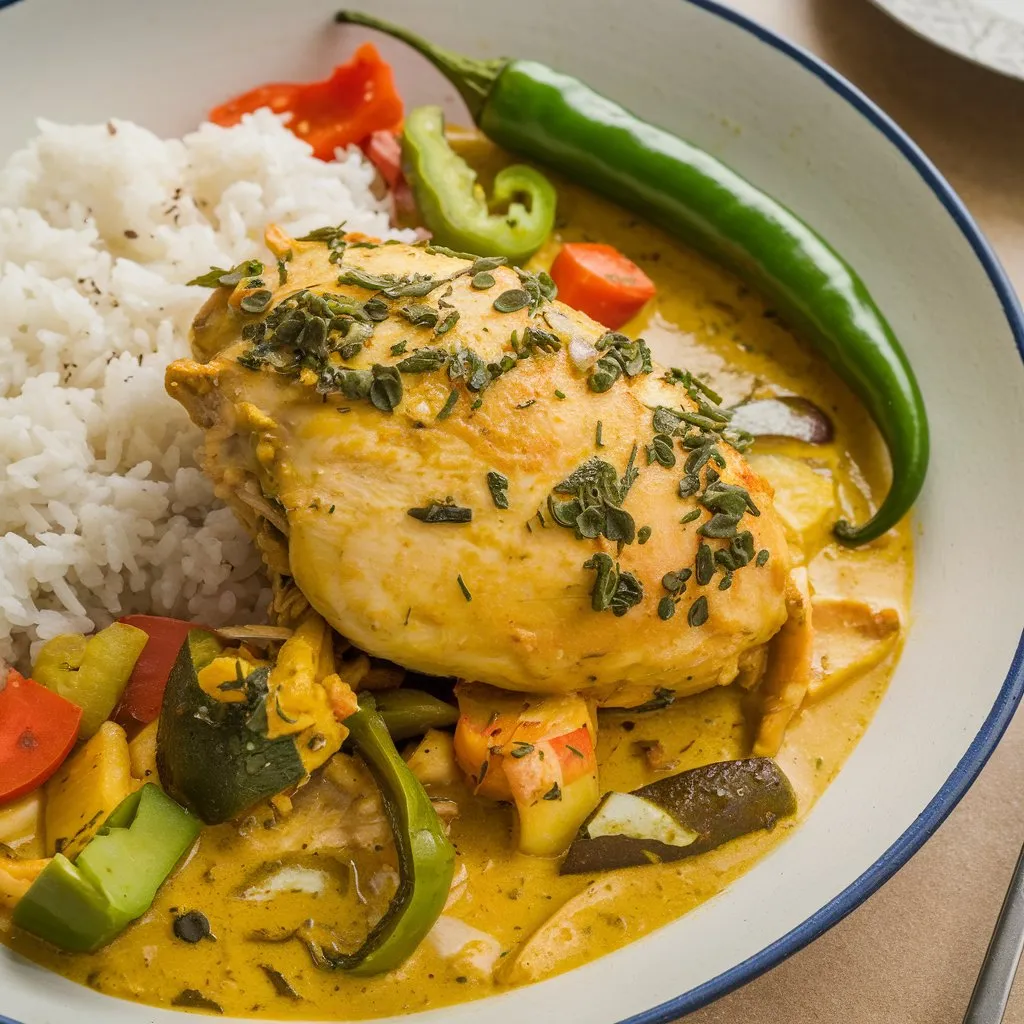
(306, 699)
(142, 754)
(805, 499)
(16, 878)
(21, 825)
(432, 760)
(93, 672)
(89, 785)
(850, 638)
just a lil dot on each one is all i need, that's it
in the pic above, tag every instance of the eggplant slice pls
(792, 417)
(681, 816)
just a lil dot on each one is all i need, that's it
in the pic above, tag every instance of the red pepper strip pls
(38, 728)
(144, 693)
(384, 151)
(358, 99)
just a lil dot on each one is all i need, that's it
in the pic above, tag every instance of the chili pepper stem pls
(473, 78)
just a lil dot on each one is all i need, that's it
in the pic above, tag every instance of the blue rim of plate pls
(991, 731)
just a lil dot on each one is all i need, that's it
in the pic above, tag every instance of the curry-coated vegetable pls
(215, 756)
(83, 905)
(681, 816)
(408, 712)
(426, 859)
(453, 205)
(557, 120)
(90, 672)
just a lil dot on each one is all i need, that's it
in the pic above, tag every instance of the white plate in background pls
(987, 32)
(804, 134)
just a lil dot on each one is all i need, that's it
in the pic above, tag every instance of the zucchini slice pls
(215, 756)
(681, 816)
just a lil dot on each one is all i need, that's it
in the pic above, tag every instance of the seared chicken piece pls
(414, 466)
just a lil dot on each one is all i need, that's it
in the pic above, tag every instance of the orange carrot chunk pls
(598, 280)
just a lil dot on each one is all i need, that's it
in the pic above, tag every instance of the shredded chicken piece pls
(788, 675)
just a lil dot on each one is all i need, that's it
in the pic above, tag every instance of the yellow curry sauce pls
(512, 919)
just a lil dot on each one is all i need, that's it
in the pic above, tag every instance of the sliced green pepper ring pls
(82, 906)
(426, 859)
(454, 207)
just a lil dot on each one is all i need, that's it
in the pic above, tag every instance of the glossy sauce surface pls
(512, 919)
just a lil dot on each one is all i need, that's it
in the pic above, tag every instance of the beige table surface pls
(910, 954)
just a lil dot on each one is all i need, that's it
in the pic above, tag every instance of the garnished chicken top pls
(469, 478)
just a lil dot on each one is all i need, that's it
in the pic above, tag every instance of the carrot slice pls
(599, 281)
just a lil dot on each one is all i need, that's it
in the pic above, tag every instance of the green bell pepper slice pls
(426, 859)
(454, 206)
(409, 713)
(84, 905)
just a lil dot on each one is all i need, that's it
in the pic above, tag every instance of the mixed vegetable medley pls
(120, 749)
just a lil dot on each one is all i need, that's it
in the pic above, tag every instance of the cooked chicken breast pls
(422, 517)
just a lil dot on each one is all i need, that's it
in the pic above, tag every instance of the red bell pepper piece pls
(38, 728)
(144, 693)
(357, 100)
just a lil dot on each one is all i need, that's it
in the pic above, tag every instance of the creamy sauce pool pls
(509, 914)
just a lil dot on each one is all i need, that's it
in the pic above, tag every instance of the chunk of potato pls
(804, 499)
(850, 638)
(89, 785)
(21, 825)
(432, 761)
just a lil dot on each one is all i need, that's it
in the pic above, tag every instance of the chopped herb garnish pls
(560, 395)
(762, 557)
(282, 268)
(660, 450)
(666, 608)
(622, 357)
(385, 387)
(216, 277)
(705, 565)
(257, 301)
(512, 300)
(554, 793)
(643, 535)
(419, 315)
(442, 512)
(691, 515)
(486, 263)
(613, 589)
(483, 281)
(597, 435)
(572, 750)
(698, 613)
(450, 320)
(423, 360)
(675, 582)
(462, 586)
(446, 409)
(498, 486)
(527, 403)
(661, 699)
(521, 749)
(398, 349)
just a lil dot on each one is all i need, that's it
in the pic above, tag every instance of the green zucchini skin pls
(214, 757)
(719, 801)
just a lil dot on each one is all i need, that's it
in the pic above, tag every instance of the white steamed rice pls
(102, 509)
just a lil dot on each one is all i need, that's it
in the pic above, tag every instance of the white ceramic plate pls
(988, 32)
(807, 136)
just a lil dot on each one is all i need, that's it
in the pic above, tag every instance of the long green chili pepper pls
(557, 120)
(426, 859)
